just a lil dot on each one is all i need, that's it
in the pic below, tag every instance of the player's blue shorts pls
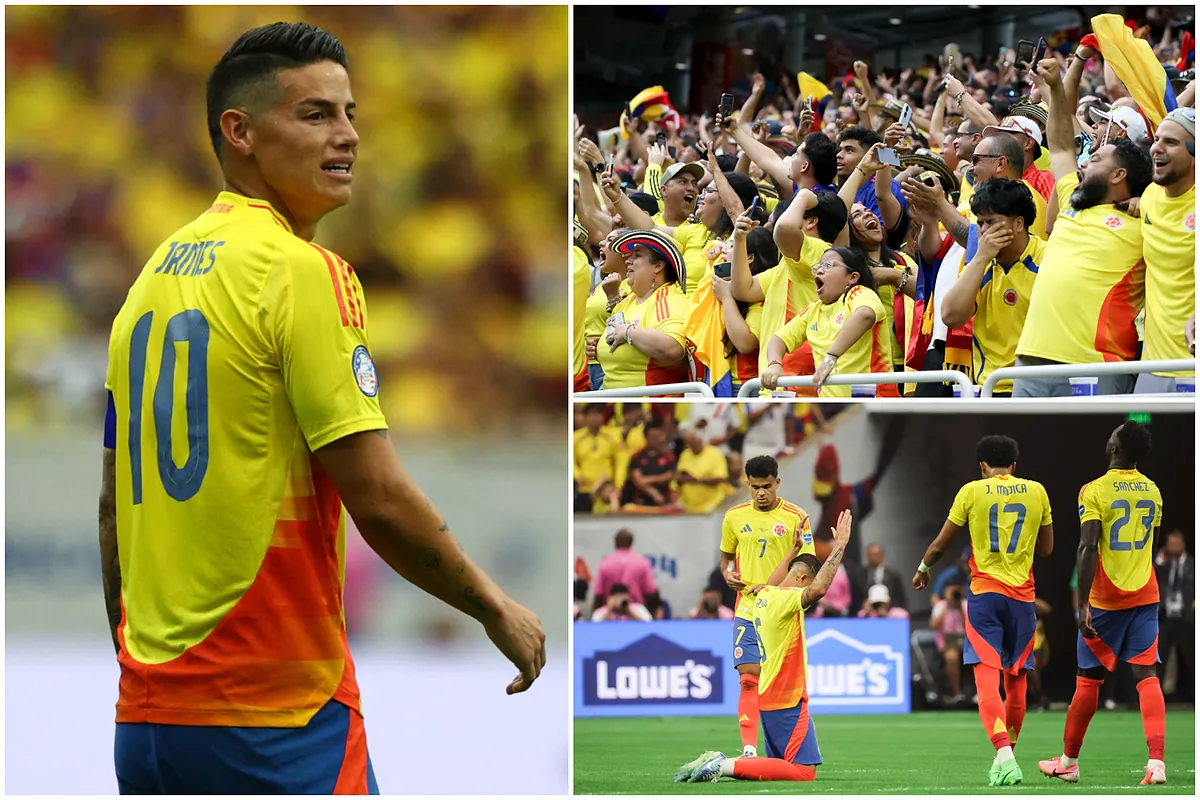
(327, 756)
(791, 735)
(1000, 632)
(745, 642)
(1128, 634)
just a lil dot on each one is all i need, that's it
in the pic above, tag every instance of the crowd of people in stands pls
(110, 153)
(976, 212)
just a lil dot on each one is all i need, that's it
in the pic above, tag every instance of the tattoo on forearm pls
(475, 601)
(431, 559)
(959, 231)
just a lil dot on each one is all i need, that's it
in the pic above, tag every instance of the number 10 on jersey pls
(189, 328)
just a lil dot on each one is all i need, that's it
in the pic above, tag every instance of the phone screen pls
(1041, 51)
(1024, 52)
(661, 139)
(887, 155)
(726, 107)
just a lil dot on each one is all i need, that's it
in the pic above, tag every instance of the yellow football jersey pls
(240, 350)
(787, 290)
(1129, 508)
(1169, 246)
(664, 310)
(581, 281)
(820, 323)
(783, 652)
(1000, 308)
(760, 540)
(1003, 514)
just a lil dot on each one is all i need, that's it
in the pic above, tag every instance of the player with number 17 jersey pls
(240, 350)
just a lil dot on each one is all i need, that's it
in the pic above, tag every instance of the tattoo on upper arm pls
(431, 559)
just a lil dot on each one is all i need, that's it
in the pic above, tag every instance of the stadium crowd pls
(109, 153)
(1038, 213)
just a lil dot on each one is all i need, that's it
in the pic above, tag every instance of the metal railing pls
(751, 388)
(1086, 370)
(695, 387)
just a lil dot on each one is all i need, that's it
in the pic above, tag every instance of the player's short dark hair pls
(1134, 439)
(831, 215)
(624, 539)
(808, 560)
(822, 154)
(618, 588)
(997, 451)
(864, 136)
(1008, 146)
(1135, 160)
(762, 467)
(856, 262)
(1005, 197)
(255, 58)
(593, 407)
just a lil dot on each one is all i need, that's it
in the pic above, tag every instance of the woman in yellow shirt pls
(610, 290)
(845, 325)
(643, 343)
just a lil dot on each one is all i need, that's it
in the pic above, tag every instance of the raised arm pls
(1060, 132)
(958, 304)
(971, 108)
(937, 136)
(789, 229)
(820, 584)
(766, 158)
(401, 524)
(750, 107)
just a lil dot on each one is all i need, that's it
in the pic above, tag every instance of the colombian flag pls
(1134, 63)
(651, 105)
(810, 85)
(706, 332)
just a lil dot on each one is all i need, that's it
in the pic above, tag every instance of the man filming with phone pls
(619, 608)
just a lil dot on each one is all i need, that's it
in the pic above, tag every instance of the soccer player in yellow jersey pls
(994, 288)
(1009, 520)
(755, 538)
(846, 325)
(1119, 514)
(243, 413)
(1168, 214)
(797, 585)
(1091, 284)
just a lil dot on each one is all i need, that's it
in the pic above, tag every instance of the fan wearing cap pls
(644, 343)
(846, 325)
(996, 285)
(679, 191)
(1168, 217)
(1029, 136)
(878, 605)
(1091, 284)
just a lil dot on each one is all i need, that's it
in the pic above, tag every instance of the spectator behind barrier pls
(620, 608)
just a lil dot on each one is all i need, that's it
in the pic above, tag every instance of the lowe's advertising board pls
(684, 668)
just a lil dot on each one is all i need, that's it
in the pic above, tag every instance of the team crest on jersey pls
(1114, 222)
(1010, 297)
(747, 529)
(364, 371)
(1190, 222)
(779, 530)
(737, 652)
(839, 319)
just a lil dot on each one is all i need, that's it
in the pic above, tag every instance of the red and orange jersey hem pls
(1107, 596)
(982, 583)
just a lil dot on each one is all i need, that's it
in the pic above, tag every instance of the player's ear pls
(235, 129)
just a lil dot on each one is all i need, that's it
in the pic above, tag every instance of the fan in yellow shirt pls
(581, 281)
(845, 325)
(1168, 212)
(702, 474)
(596, 448)
(611, 289)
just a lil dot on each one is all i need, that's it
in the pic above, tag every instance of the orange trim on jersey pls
(789, 686)
(280, 221)
(882, 363)
(352, 299)
(1107, 596)
(337, 286)
(1116, 336)
(982, 583)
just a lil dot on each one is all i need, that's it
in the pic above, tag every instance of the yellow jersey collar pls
(227, 201)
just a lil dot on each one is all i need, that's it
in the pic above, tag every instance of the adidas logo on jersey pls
(747, 529)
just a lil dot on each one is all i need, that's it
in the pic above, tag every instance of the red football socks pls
(1154, 716)
(748, 710)
(1014, 704)
(771, 769)
(991, 707)
(1080, 713)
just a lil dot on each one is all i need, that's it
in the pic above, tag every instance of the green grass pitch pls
(931, 753)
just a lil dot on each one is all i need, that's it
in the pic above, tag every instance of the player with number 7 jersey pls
(1009, 521)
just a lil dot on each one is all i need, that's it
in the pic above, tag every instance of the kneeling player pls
(791, 739)
(1118, 515)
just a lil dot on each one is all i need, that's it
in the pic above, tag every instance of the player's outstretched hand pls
(920, 580)
(841, 534)
(518, 634)
(1085, 622)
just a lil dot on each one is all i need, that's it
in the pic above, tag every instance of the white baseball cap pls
(1016, 125)
(878, 594)
(1124, 118)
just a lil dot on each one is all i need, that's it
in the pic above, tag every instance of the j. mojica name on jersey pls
(688, 680)
(188, 258)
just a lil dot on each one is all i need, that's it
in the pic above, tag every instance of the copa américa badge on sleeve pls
(364, 371)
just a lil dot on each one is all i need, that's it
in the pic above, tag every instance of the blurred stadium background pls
(455, 230)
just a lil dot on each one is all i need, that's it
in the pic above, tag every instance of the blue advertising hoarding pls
(685, 668)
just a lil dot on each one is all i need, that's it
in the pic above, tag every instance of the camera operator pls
(619, 607)
(948, 621)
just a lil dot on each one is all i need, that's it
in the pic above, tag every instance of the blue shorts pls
(1000, 632)
(790, 734)
(327, 756)
(745, 643)
(1127, 634)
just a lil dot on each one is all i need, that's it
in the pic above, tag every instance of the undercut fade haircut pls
(822, 154)
(808, 560)
(1134, 438)
(247, 70)
(1135, 160)
(762, 467)
(997, 451)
